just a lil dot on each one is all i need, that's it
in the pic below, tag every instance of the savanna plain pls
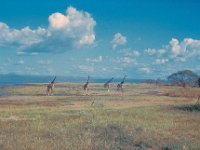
(143, 117)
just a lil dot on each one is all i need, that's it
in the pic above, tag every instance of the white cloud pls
(118, 39)
(75, 25)
(153, 51)
(161, 51)
(186, 47)
(29, 53)
(145, 70)
(128, 52)
(117, 68)
(150, 51)
(125, 60)
(136, 53)
(58, 21)
(33, 54)
(87, 69)
(98, 59)
(44, 62)
(66, 31)
(175, 47)
(177, 51)
(20, 38)
(29, 70)
(20, 53)
(20, 62)
(180, 59)
(104, 69)
(161, 61)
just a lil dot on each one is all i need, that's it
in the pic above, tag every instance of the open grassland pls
(144, 116)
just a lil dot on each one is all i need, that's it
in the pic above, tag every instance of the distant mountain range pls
(7, 79)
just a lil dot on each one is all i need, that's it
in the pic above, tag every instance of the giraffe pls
(85, 86)
(198, 86)
(198, 100)
(120, 85)
(107, 84)
(50, 87)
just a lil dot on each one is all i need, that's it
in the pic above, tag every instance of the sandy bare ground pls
(70, 95)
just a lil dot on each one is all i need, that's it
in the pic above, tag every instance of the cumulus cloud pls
(73, 29)
(44, 62)
(98, 59)
(155, 52)
(145, 70)
(161, 61)
(20, 62)
(20, 38)
(75, 25)
(125, 60)
(118, 39)
(180, 59)
(175, 51)
(104, 69)
(30, 70)
(27, 53)
(150, 51)
(86, 69)
(161, 51)
(176, 48)
(136, 53)
(187, 47)
(129, 52)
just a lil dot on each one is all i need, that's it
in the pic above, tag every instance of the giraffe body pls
(121, 84)
(51, 87)
(85, 86)
(107, 84)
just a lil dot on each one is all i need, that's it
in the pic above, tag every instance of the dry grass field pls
(143, 117)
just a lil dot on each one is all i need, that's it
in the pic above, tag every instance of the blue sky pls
(104, 38)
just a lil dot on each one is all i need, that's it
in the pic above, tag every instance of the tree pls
(184, 78)
(199, 82)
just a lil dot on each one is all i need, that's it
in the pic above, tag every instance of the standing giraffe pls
(107, 84)
(120, 85)
(85, 86)
(198, 96)
(198, 100)
(50, 87)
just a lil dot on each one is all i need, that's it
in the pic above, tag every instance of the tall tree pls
(184, 78)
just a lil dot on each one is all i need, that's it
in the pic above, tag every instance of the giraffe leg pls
(198, 100)
(87, 91)
(47, 92)
(122, 90)
(52, 92)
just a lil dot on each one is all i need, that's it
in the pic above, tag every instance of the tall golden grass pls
(143, 117)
